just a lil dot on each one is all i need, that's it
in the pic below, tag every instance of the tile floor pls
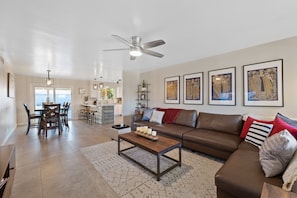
(55, 167)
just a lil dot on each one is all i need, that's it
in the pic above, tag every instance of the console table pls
(7, 169)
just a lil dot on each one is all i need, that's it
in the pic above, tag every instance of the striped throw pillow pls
(258, 132)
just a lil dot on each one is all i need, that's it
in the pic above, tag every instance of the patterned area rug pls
(195, 178)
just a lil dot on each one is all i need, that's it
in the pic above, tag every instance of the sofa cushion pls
(214, 139)
(172, 130)
(276, 152)
(258, 132)
(170, 115)
(279, 125)
(186, 118)
(219, 122)
(242, 174)
(249, 121)
(145, 123)
(157, 116)
(147, 114)
(287, 120)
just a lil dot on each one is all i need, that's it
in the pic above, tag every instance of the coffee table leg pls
(158, 167)
(179, 162)
(119, 149)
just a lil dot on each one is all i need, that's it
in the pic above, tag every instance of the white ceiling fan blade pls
(122, 49)
(152, 53)
(152, 44)
(122, 40)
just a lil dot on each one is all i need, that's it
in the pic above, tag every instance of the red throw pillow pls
(279, 125)
(247, 124)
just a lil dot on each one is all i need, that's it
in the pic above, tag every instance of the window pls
(55, 95)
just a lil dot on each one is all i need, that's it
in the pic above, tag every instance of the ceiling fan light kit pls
(137, 49)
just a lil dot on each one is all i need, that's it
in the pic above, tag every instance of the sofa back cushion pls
(219, 122)
(186, 118)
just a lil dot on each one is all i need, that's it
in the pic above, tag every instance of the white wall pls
(7, 107)
(25, 94)
(284, 49)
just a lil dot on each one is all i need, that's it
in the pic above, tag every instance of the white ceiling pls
(68, 36)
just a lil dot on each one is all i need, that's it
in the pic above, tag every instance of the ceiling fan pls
(137, 48)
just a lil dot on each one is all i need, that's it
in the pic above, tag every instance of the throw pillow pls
(290, 174)
(157, 116)
(258, 132)
(147, 114)
(276, 152)
(248, 123)
(287, 120)
(170, 115)
(279, 125)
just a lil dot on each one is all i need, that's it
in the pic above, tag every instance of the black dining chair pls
(31, 117)
(50, 119)
(64, 114)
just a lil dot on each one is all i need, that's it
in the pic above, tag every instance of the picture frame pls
(263, 84)
(10, 85)
(222, 88)
(171, 90)
(81, 91)
(193, 88)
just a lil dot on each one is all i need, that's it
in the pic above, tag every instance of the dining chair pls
(64, 114)
(31, 117)
(50, 118)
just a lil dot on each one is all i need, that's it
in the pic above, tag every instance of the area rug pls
(195, 178)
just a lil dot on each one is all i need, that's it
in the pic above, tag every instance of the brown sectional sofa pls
(218, 135)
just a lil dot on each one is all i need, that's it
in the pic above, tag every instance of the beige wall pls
(7, 107)
(25, 94)
(284, 49)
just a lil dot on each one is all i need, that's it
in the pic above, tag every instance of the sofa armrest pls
(136, 117)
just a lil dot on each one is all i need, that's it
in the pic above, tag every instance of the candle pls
(154, 133)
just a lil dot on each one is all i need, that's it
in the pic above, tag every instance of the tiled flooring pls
(55, 167)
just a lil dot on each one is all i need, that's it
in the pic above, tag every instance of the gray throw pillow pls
(276, 152)
(147, 114)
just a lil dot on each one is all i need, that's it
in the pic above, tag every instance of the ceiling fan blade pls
(107, 50)
(152, 53)
(152, 44)
(132, 57)
(123, 40)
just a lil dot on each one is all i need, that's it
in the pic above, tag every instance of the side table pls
(119, 129)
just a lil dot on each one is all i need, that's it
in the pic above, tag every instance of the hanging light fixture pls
(101, 85)
(49, 81)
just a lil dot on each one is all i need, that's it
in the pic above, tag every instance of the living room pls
(283, 48)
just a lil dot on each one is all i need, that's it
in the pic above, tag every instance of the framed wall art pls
(193, 88)
(263, 84)
(171, 86)
(222, 86)
(10, 85)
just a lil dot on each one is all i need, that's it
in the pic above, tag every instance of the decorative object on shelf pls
(10, 85)
(172, 90)
(143, 88)
(263, 84)
(193, 88)
(49, 81)
(222, 86)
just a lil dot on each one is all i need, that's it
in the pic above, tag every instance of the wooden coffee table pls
(158, 148)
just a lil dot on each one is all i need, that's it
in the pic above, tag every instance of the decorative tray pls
(154, 138)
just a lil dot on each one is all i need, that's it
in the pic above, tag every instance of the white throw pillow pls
(157, 116)
(290, 174)
(276, 152)
(258, 132)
